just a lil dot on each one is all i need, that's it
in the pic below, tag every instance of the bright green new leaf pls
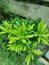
(3, 29)
(29, 36)
(34, 45)
(24, 41)
(37, 52)
(39, 39)
(32, 56)
(23, 27)
(2, 33)
(30, 27)
(13, 39)
(44, 41)
(7, 25)
(27, 60)
(16, 27)
(40, 26)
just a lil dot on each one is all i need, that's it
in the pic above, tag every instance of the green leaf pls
(24, 41)
(16, 27)
(7, 25)
(44, 41)
(29, 36)
(23, 26)
(2, 33)
(13, 39)
(27, 60)
(30, 27)
(45, 35)
(39, 39)
(37, 52)
(19, 33)
(3, 29)
(13, 32)
(44, 28)
(11, 46)
(32, 56)
(24, 48)
(17, 23)
(19, 48)
(34, 44)
(41, 27)
(29, 41)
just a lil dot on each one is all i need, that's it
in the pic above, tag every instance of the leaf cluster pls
(24, 35)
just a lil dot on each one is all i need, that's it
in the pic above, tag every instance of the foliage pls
(23, 36)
